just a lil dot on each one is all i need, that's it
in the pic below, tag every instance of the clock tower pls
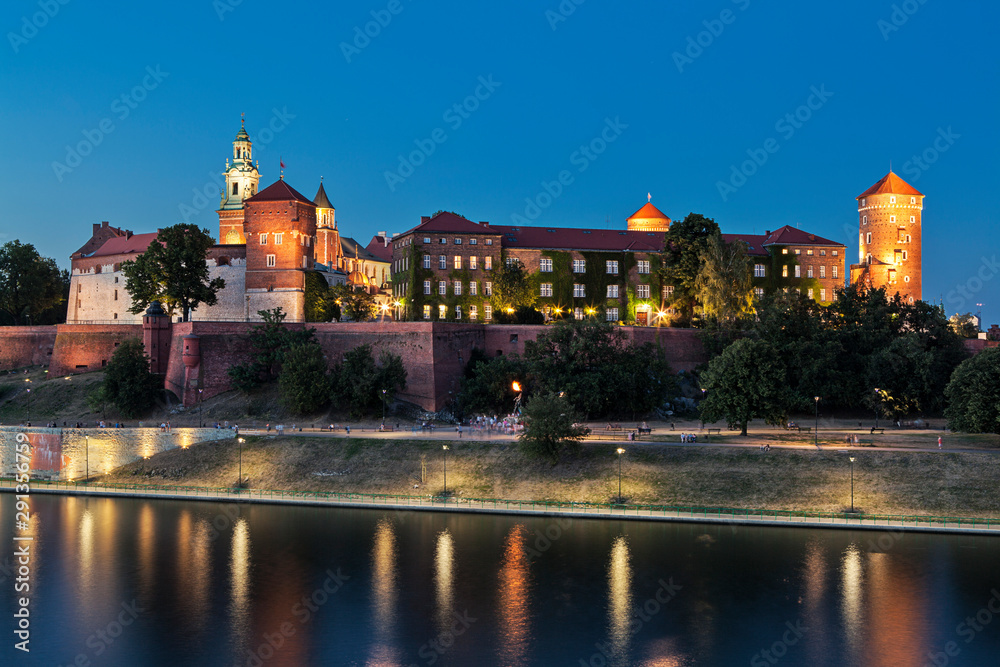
(242, 179)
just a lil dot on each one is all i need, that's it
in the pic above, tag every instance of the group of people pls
(689, 437)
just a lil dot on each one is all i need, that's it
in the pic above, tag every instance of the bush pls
(128, 383)
(304, 383)
(550, 427)
(973, 394)
(357, 382)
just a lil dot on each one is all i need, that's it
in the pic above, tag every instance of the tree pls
(356, 304)
(747, 381)
(304, 382)
(966, 326)
(358, 381)
(682, 252)
(29, 283)
(269, 342)
(724, 285)
(511, 288)
(173, 271)
(128, 383)
(487, 388)
(973, 394)
(318, 300)
(550, 427)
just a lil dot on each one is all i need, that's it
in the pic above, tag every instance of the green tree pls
(357, 305)
(512, 289)
(173, 271)
(304, 381)
(973, 394)
(724, 285)
(358, 381)
(318, 299)
(683, 247)
(747, 381)
(965, 325)
(551, 426)
(269, 342)
(487, 388)
(29, 284)
(128, 383)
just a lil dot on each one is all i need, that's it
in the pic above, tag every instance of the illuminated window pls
(784, 271)
(758, 292)
(473, 310)
(809, 252)
(489, 242)
(836, 252)
(427, 312)
(578, 313)
(271, 261)
(798, 251)
(488, 263)
(442, 312)
(473, 263)
(458, 262)
(784, 251)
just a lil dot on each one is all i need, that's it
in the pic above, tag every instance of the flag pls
(281, 162)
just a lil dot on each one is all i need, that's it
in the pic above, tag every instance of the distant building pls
(889, 239)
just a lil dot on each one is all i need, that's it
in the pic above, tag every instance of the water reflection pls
(444, 578)
(146, 547)
(852, 599)
(619, 600)
(239, 566)
(898, 614)
(384, 652)
(86, 555)
(515, 620)
(193, 573)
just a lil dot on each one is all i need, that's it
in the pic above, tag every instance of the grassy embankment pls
(949, 484)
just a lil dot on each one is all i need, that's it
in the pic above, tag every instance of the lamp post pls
(28, 380)
(516, 386)
(384, 391)
(877, 401)
(239, 482)
(816, 430)
(201, 408)
(852, 485)
(87, 479)
(620, 452)
(445, 448)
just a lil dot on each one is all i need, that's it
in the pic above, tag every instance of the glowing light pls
(515, 385)
(444, 562)
(619, 598)
(515, 612)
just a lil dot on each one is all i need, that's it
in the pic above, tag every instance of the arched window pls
(236, 187)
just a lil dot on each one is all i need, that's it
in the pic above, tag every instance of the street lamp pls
(516, 386)
(87, 479)
(28, 380)
(239, 482)
(383, 407)
(620, 452)
(877, 401)
(852, 485)
(201, 408)
(445, 448)
(816, 430)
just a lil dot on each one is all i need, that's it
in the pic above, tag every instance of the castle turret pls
(328, 250)
(648, 219)
(889, 240)
(242, 179)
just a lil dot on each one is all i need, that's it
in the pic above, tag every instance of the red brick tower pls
(280, 225)
(889, 220)
(328, 248)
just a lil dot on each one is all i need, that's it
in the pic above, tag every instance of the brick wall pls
(80, 348)
(884, 217)
(26, 346)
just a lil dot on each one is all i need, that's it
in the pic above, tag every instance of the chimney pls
(767, 233)
(484, 223)
(128, 233)
(382, 234)
(424, 218)
(104, 223)
(97, 228)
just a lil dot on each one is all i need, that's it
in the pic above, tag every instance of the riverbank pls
(952, 484)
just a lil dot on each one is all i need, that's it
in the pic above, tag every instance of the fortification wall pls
(26, 346)
(80, 348)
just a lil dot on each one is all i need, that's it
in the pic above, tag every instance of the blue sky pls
(666, 98)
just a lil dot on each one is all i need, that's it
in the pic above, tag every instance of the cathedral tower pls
(242, 179)
(328, 249)
(889, 241)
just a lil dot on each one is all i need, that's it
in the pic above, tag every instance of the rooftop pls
(891, 184)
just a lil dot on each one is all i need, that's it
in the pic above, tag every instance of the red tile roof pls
(280, 191)
(449, 223)
(755, 243)
(121, 245)
(380, 247)
(788, 235)
(566, 238)
(649, 211)
(891, 184)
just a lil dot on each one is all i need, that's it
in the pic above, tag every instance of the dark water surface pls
(143, 582)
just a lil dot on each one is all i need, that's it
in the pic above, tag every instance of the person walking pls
(939, 442)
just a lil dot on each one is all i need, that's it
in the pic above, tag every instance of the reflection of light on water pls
(619, 599)
(384, 593)
(193, 568)
(852, 604)
(146, 538)
(515, 582)
(663, 653)
(239, 566)
(899, 626)
(444, 577)
(814, 585)
(87, 553)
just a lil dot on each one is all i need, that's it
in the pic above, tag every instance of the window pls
(442, 241)
(759, 271)
(487, 311)
(868, 237)
(758, 292)
(822, 253)
(798, 251)
(427, 261)
(305, 261)
(892, 200)
(822, 294)
(809, 252)
(579, 290)
(908, 238)
(271, 260)
(809, 272)
(489, 242)
(905, 254)
(611, 315)
(277, 238)
(906, 279)
(442, 262)
(612, 266)
(442, 312)
(836, 253)
(116, 295)
(668, 291)
(545, 289)
(784, 271)
(427, 287)
(472, 242)
(822, 271)
(862, 201)
(798, 271)
(473, 263)
(892, 218)
(458, 312)
(458, 288)
(488, 263)
(578, 313)
(869, 258)
(784, 251)
(864, 220)
(643, 266)
(913, 200)
(487, 290)
(613, 292)
(642, 291)
(913, 219)
(836, 270)
(263, 239)
(427, 312)
(458, 241)
(442, 287)
(511, 261)
(545, 265)
(473, 288)
(458, 262)
(579, 266)
(427, 239)
(473, 310)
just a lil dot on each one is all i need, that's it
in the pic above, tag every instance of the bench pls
(880, 431)
(714, 430)
(644, 430)
(807, 429)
